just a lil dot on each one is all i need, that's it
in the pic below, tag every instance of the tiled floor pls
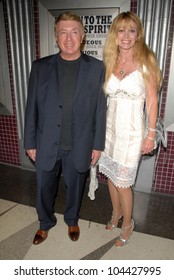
(153, 237)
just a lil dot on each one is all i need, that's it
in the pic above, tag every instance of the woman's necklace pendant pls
(122, 73)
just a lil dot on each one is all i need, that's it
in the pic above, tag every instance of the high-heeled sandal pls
(110, 225)
(120, 239)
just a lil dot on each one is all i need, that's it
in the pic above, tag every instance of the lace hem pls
(116, 181)
(121, 176)
(111, 170)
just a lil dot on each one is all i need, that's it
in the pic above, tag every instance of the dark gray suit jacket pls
(43, 114)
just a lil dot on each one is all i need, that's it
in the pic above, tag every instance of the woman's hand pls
(148, 145)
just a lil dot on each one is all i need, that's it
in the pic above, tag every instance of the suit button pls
(58, 125)
(60, 106)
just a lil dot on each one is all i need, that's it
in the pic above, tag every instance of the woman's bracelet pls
(151, 129)
(150, 138)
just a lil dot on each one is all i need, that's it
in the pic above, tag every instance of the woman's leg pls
(126, 201)
(117, 213)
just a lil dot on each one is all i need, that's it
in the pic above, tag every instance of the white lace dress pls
(125, 129)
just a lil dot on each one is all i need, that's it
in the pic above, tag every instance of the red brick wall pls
(164, 175)
(36, 28)
(9, 144)
(164, 172)
(133, 6)
(9, 140)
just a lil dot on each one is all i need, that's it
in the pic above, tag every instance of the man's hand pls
(32, 154)
(95, 157)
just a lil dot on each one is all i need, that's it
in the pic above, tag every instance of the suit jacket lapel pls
(53, 80)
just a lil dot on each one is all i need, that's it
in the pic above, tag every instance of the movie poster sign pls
(96, 23)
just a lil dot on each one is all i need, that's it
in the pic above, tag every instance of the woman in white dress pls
(132, 80)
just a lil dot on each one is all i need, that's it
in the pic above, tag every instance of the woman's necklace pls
(126, 67)
(122, 73)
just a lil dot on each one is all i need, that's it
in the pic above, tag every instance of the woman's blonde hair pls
(142, 54)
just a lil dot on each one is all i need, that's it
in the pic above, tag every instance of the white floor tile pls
(5, 205)
(94, 239)
(143, 247)
(16, 219)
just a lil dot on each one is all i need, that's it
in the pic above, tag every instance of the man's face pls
(69, 36)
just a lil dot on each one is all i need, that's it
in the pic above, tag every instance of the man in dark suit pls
(64, 123)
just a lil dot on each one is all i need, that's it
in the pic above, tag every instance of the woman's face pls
(127, 36)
